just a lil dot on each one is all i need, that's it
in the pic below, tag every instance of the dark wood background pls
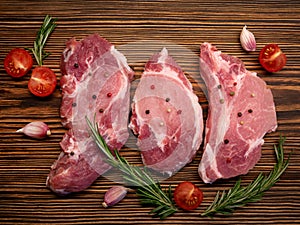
(25, 163)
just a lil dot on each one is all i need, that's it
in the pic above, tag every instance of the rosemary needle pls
(41, 38)
(227, 201)
(149, 191)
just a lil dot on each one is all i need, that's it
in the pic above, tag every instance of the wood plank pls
(25, 163)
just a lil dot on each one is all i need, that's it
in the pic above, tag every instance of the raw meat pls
(95, 83)
(166, 116)
(241, 112)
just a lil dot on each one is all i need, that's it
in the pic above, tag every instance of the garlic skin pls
(36, 129)
(247, 40)
(114, 195)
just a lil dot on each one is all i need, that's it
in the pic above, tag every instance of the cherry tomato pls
(42, 82)
(187, 196)
(272, 58)
(18, 62)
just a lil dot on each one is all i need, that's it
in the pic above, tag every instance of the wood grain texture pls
(25, 163)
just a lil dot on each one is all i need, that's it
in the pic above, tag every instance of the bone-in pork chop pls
(166, 116)
(241, 112)
(95, 84)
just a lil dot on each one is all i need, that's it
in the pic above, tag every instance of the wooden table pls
(25, 163)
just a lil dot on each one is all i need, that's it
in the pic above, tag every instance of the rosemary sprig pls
(227, 201)
(41, 38)
(149, 191)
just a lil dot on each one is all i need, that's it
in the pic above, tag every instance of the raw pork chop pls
(241, 112)
(166, 116)
(96, 84)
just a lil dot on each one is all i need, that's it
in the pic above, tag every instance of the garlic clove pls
(114, 195)
(36, 129)
(247, 40)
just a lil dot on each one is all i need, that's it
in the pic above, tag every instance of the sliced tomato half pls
(272, 58)
(42, 82)
(187, 196)
(18, 62)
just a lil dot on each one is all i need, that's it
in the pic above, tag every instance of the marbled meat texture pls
(95, 83)
(241, 112)
(166, 116)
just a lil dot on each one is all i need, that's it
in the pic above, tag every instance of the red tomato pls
(272, 58)
(187, 196)
(18, 62)
(42, 82)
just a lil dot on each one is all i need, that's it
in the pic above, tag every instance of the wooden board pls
(25, 163)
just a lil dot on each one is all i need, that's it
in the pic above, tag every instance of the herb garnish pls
(227, 201)
(149, 191)
(41, 38)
